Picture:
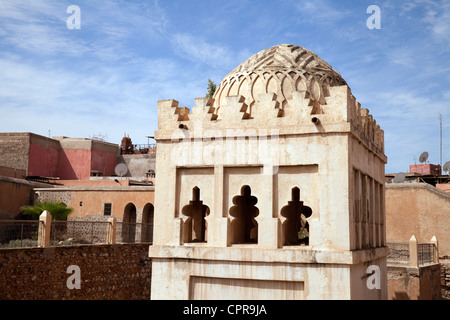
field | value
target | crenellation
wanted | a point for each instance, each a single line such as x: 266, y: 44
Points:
x: 268, y: 106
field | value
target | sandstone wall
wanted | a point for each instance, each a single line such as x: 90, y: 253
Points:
x: 418, y: 209
x: 107, y: 272
x: 414, y: 284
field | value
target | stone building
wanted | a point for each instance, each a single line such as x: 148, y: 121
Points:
x: 272, y: 189
x: 25, y: 154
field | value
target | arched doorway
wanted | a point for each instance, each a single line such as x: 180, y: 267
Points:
x: 147, y: 223
x: 129, y: 223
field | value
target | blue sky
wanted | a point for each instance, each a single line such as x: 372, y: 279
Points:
x: 106, y: 78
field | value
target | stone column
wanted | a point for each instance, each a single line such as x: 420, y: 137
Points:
x: 413, y: 253
x: 112, y: 230
x: 434, y: 241
x: 45, y: 221
x: 218, y: 224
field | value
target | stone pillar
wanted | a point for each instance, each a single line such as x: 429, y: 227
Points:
x: 436, y: 249
x: 45, y: 221
x: 268, y: 226
x: 217, y: 227
x: 112, y: 230
x: 413, y: 253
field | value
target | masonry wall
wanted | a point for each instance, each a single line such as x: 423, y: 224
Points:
x: 15, y: 193
x: 107, y: 272
x: 138, y: 164
x: 14, y: 152
x: 418, y: 209
x: 44, y: 156
x: 445, y: 278
x: 414, y: 284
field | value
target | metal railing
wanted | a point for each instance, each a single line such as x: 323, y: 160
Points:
x: 134, y: 232
x: 426, y: 253
x: 412, y: 253
x: 145, y: 148
x: 30, y: 233
x: 139, y: 149
x: 19, y: 233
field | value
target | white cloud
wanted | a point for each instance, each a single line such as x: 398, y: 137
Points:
x: 199, y: 50
x: 321, y: 11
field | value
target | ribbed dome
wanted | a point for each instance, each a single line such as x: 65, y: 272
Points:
x: 281, y: 69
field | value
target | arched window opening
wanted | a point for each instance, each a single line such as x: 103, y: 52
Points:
x: 129, y: 223
x: 296, y: 227
x: 195, y: 226
x: 147, y: 223
x: 244, y: 227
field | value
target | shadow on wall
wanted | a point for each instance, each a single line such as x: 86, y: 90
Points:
x: 65, y: 169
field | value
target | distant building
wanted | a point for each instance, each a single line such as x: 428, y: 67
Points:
x: 426, y: 169
x: 28, y: 155
x: 78, y: 172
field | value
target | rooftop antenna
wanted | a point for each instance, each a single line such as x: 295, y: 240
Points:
x: 399, y: 178
x: 440, y: 124
x: 121, y: 169
x: 446, y: 167
x: 423, y: 157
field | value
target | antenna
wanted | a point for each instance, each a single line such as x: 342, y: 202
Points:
x: 399, y: 178
x: 440, y: 123
x: 446, y: 167
x: 121, y: 169
x: 423, y: 157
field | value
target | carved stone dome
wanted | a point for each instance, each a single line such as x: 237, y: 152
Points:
x: 281, y: 69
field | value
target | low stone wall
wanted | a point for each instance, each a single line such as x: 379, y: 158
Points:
x: 445, y: 278
x: 106, y: 272
x: 421, y: 283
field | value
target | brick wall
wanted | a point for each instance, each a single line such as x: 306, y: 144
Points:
x: 107, y: 272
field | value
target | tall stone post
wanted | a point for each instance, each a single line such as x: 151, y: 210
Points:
x: 436, y: 249
x: 413, y: 253
x: 45, y: 221
x: 112, y: 230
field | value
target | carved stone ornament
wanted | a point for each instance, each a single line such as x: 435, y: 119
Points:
x: 281, y: 70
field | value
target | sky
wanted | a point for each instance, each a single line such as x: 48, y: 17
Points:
x: 104, y: 79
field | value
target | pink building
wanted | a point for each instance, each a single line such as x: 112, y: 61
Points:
x: 30, y: 155
x: 426, y: 169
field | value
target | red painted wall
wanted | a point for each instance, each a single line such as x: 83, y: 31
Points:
x: 43, y: 161
x: 74, y: 164
x: 71, y: 159
x: 104, y: 162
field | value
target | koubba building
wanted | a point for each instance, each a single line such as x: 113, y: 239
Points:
x: 272, y: 189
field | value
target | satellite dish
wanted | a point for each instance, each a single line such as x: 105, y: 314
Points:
x: 121, y: 169
x: 423, y: 157
x: 399, y: 178
x: 446, y: 167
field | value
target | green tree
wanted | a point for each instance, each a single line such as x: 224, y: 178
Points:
x: 211, y: 89
x: 58, y: 210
